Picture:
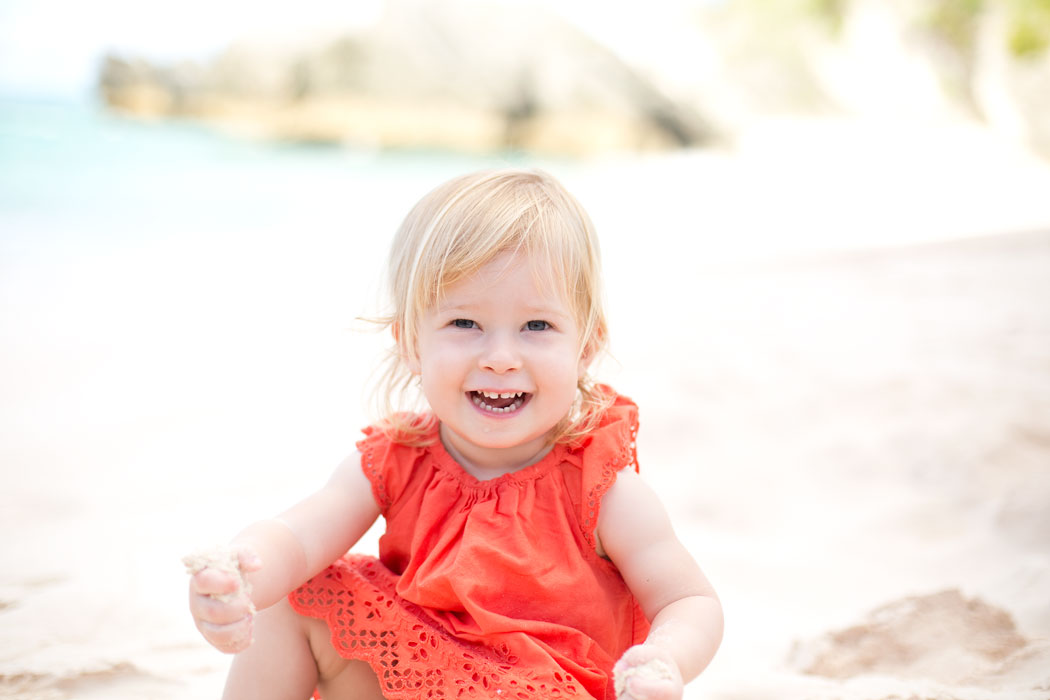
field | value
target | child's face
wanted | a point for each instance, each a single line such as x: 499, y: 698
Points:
x: 499, y: 360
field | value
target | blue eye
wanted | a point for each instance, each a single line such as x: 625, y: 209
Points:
x: 537, y: 325
x: 463, y: 323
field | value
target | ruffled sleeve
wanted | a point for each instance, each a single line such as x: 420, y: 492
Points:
x: 609, y: 448
x: 387, y: 463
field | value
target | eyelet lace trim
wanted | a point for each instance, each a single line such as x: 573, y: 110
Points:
x: 372, y: 471
x: 413, y: 658
x: 627, y: 456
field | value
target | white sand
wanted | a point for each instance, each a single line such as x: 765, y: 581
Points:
x: 845, y: 404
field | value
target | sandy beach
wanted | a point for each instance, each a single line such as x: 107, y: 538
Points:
x: 838, y: 334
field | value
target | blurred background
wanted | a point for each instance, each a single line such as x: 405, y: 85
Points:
x: 826, y: 235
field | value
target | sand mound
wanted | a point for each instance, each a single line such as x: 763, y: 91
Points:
x: 107, y: 680
x: 943, y: 637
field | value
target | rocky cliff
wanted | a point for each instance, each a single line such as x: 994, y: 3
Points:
x: 461, y: 75
x: 471, y: 75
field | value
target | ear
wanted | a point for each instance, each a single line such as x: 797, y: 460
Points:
x: 407, y: 356
x: 590, y: 351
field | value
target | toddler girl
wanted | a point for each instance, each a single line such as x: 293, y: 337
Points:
x: 523, y: 556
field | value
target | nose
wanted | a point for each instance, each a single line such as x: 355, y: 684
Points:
x: 500, y: 354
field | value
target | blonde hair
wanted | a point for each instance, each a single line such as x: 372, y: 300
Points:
x: 451, y: 233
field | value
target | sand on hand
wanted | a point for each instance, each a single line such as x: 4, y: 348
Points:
x: 225, y: 559
x: 653, y: 669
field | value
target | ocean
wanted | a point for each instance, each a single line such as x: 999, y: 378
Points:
x: 75, y: 178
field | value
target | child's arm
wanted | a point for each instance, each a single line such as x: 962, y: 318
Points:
x: 278, y: 555
x: 636, y: 534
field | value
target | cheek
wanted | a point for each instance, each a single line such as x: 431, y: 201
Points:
x: 439, y: 388
x: 565, y: 366
x: 441, y: 367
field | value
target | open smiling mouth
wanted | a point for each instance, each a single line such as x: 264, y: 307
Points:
x: 499, y: 402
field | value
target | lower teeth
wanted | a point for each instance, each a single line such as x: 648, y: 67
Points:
x: 493, y: 409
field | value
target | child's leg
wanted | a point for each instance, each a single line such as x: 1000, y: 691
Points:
x: 278, y: 664
x: 290, y: 657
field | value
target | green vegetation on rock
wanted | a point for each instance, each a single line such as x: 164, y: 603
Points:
x: 1029, y: 31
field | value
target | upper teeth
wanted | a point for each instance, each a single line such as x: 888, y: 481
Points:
x: 504, y: 395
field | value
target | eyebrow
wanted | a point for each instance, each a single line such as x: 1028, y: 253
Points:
x: 449, y: 308
x: 544, y: 311
x: 538, y: 309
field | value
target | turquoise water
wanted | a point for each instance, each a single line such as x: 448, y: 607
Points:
x: 75, y: 179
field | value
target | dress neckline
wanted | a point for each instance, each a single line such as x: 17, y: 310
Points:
x: 447, y: 463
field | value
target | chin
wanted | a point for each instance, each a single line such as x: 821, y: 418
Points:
x: 494, y: 438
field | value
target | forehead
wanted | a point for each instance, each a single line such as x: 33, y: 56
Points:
x: 508, y: 279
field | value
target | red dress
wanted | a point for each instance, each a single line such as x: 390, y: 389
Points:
x: 486, y: 589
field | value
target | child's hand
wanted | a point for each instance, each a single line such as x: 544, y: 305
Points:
x: 220, y: 598
x: 647, y: 672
